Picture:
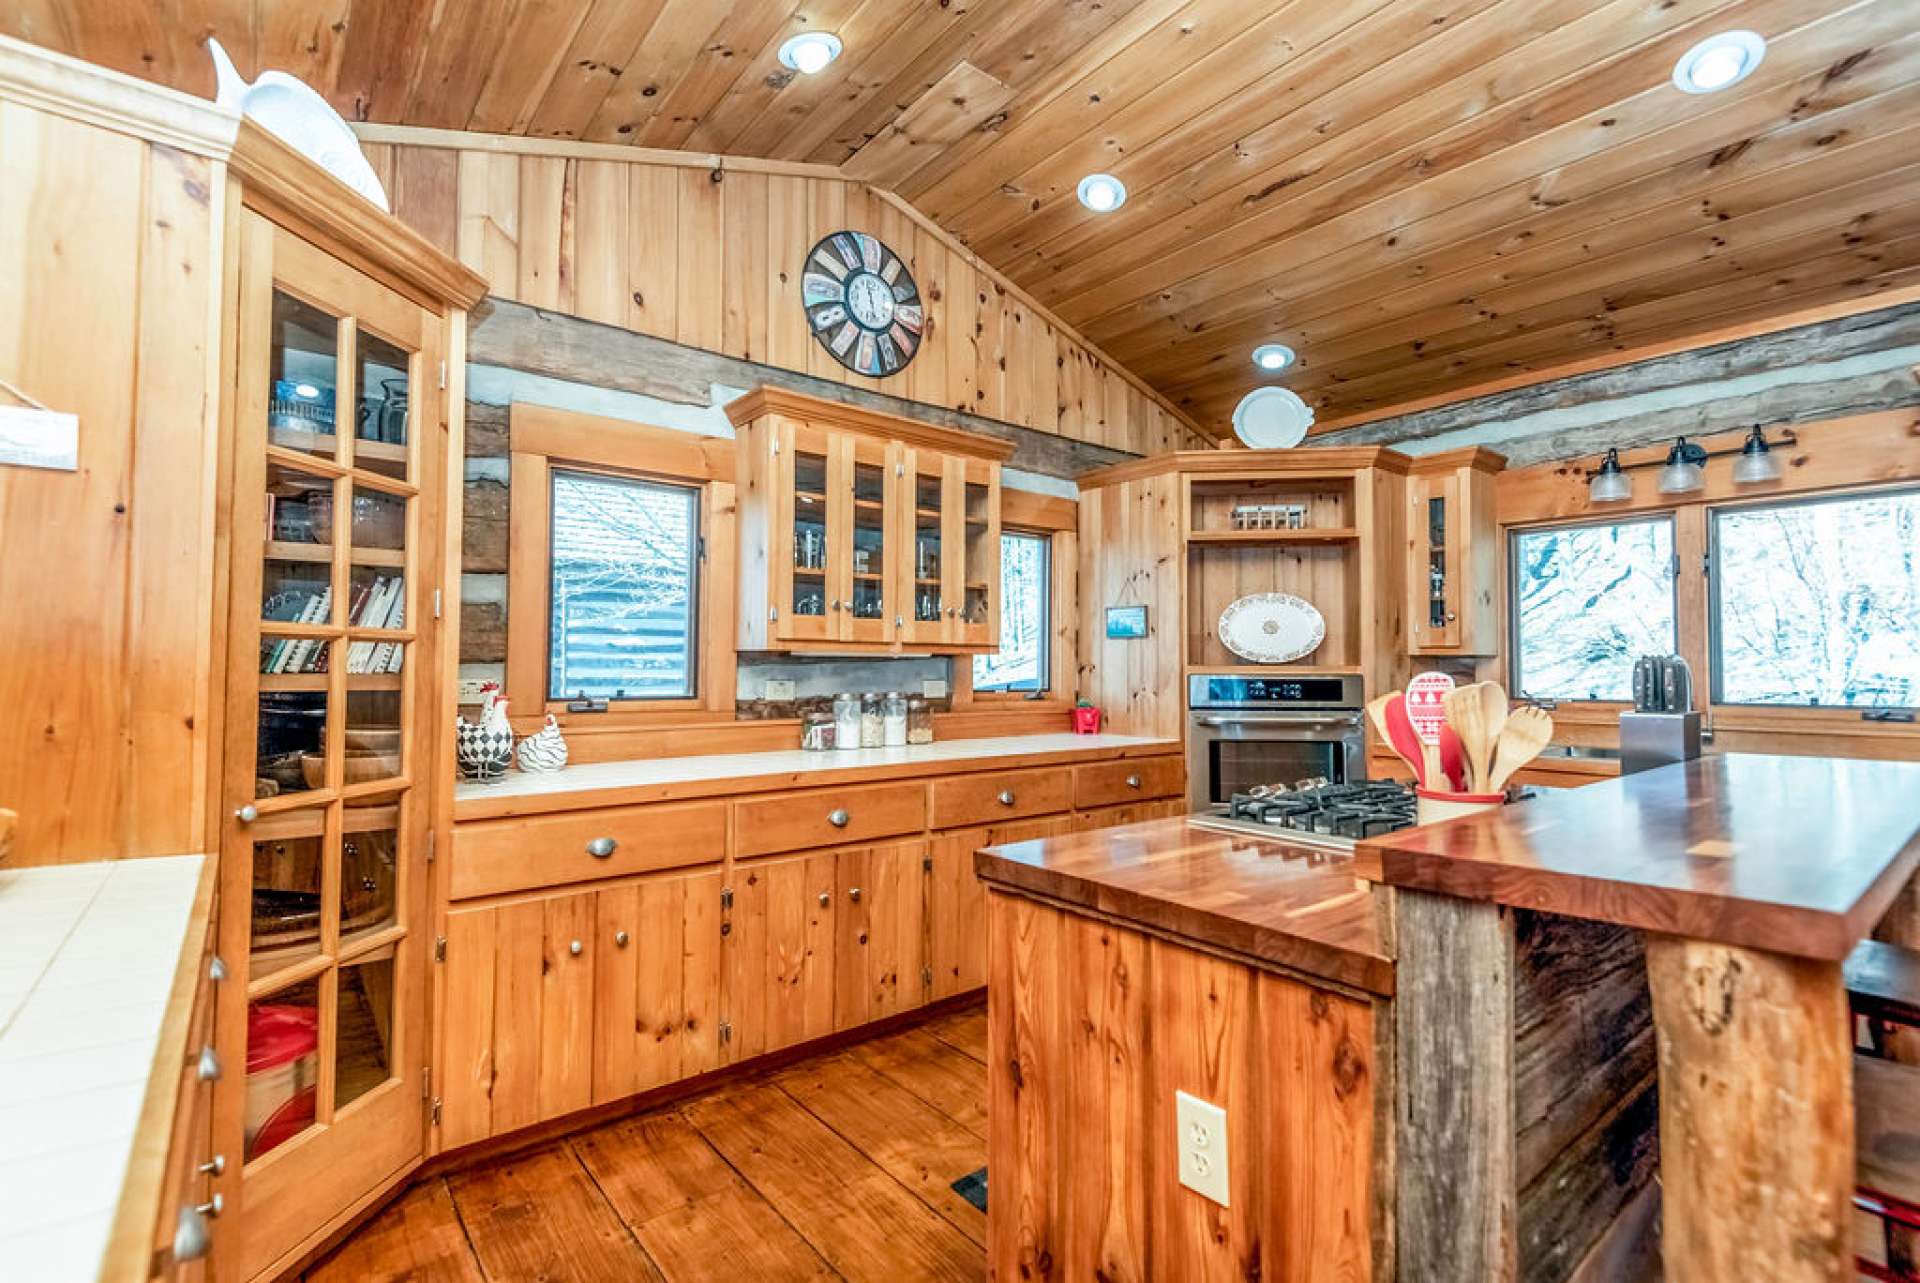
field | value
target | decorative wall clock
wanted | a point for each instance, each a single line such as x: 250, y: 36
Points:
x: 862, y: 303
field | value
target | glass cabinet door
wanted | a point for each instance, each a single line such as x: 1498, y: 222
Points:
x: 924, y: 504
x: 1437, y: 604
x: 978, y: 621
x: 872, y: 494
x: 809, y: 591
x: 323, y: 898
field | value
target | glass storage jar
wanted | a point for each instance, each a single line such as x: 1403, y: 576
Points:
x: 893, y: 714
x: 873, y: 733
x: 846, y: 721
x: 919, y: 721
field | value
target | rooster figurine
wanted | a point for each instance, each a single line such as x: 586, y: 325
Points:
x: 545, y: 749
x: 485, y: 749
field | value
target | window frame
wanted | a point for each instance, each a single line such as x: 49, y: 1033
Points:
x: 1045, y: 687
x: 695, y: 577
x: 543, y: 438
x: 1057, y: 517
x: 1515, y: 671
x: 1714, y: 686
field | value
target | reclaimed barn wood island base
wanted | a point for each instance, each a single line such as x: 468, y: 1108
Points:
x: 1463, y: 1052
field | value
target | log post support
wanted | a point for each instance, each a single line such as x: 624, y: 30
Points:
x: 1453, y: 1126
x: 1756, y: 1114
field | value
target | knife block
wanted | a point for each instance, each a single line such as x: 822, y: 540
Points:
x: 1648, y: 740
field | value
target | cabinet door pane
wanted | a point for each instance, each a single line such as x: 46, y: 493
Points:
x: 382, y: 427
x: 303, y: 377
x: 369, y: 867
x: 869, y: 541
x: 811, y: 556
x: 288, y: 873
x: 283, y: 1066
x: 929, y: 509
x: 982, y: 555
x: 363, y: 1027
x: 376, y: 710
x: 290, y: 754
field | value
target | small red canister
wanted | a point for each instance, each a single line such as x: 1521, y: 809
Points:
x: 1086, y: 719
x: 283, y: 1068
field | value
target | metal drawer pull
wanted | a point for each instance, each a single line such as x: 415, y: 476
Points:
x: 214, y: 1166
x: 620, y: 938
x: 853, y: 893
x: 209, y: 1066
x: 1006, y: 797
x: 838, y: 817
x: 602, y: 848
x: 247, y: 814
x: 825, y: 899
x: 575, y: 947
x: 1133, y: 781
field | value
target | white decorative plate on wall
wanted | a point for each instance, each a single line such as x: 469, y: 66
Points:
x: 1272, y: 418
x: 1271, y: 628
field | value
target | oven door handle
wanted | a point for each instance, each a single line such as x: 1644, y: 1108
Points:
x: 1278, y: 723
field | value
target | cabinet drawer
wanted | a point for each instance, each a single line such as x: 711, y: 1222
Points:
x: 992, y: 796
x: 553, y: 850
x: 827, y: 817
x: 1129, y: 780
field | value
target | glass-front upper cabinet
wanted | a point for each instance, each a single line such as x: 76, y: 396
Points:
x: 1453, y: 562
x: 923, y: 576
x: 977, y: 622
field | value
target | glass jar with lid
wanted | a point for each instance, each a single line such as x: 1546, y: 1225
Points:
x: 846, y: 721
x: 873, y: 733
x: 919, y: 721
x: 816, y: 730
x: 893, y: 716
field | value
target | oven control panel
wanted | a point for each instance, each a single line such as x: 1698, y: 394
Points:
x: 1278, y: 691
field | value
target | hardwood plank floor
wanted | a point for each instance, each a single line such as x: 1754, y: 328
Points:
x: 837, y: 1167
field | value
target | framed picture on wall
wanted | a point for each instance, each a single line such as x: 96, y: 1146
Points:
x: 1126, y: 622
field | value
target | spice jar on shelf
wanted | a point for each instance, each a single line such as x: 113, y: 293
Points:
x: 919, y: 721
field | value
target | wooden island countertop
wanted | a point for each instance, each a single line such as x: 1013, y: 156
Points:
x: 1263, y: 901
x: 1795, y: 855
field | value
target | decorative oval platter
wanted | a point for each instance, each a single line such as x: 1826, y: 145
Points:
x: 1271, y: 628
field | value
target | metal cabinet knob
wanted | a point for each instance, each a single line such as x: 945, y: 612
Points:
x: 620, y: 938
x: 825, y: 899
x: 602, y: 848
x: 1006, y: 797
x: 838, y: 817
x: 192, y: 1236
x: 247, y: 814
x: 1451, y: 616
x: 1133, y: 781
x: 853, y: 893
x: 208, y: 1066
x: 214, y: 1166
x: 574, y: 948
x: 216, y: 969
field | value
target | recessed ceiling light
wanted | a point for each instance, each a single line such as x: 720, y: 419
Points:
x: 1273, y: 356
x: 810, y: 51
x: 1102, y: 193
x: 1719, y: 62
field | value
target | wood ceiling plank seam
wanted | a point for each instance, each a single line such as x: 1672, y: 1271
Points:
x: 457, y: 56
x: 1510, y: 247
x: 1635, y: 247
x: 127, y: 36
x: 1630, y: 328
x: 660, y: 61
x: 1234, y: 255
x: 1577, y: 113
x: 866, y: 34
x: 1013, y: 42
x: 594, y: 61
x: 1217, y: 79
x: 306, y: 39
x: 519, y: 78
x: 1153, y: 66
x: 1062, y: 78
x: 1850, y: 222
x: 1458, y: 242
x: 959, y: 103
x: 752, y: 26
x: 764, y: 76
x: 381, y: 58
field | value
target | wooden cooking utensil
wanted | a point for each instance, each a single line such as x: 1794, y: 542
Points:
x: 1477, y: 713
x: 1405, y: 740
x: 1526, y: 732
x: 1377, y: 714
x: 1453, y: 760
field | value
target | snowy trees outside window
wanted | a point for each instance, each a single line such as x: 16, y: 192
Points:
x: 1589, y: 600
x: 1021, y: 662
x: 1818, y: 602
x: 624, y: 562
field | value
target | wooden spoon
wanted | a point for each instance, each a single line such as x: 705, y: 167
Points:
x: 1477, y: 713
x: 1526, y: 732
x: 1377, y: 714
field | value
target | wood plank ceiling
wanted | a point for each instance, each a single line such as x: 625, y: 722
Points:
x: 1417, y: 197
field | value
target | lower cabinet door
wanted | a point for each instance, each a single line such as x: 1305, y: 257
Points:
x: 779, y: 953
x: 879, y: 956
x: 957, y: 902
x: 518, y: 1037
x: 656, y: 993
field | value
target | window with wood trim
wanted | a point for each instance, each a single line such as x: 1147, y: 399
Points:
x: 1816, y: 602
x: 1023, y: 661
x: 1587, y: 600
x: 624, y: 588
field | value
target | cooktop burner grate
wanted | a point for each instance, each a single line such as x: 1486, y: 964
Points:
x: 1343, y: 813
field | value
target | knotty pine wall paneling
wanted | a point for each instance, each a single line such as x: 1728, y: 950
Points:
x: 709, y: 255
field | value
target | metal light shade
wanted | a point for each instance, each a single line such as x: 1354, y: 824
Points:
x: 1756, y: 462
x: 1610, y: 484
x: 1683, y: 472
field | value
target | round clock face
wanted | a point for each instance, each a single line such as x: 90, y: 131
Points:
x: 862, y: 303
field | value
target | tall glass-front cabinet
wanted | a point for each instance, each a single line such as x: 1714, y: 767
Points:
x: 334, y: 759
x: 862, y: 531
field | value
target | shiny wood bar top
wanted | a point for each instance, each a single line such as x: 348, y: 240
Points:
x: 1266, y: 902
x: 1797, y: 855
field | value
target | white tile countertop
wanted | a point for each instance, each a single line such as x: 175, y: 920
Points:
x: 88, y: 956
x: 650, y: 778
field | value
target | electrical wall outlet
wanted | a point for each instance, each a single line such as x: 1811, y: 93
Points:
x: 1203, y: 1146
x: 778, y: 690
x: 934, y: 688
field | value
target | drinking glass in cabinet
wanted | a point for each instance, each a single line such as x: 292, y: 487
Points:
x: 381, y: 433
x: 363, y: 1026
x: 303, y: 373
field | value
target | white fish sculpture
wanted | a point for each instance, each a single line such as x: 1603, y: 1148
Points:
x: 291, y: 110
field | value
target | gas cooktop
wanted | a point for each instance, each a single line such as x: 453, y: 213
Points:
x: 1316, y: 813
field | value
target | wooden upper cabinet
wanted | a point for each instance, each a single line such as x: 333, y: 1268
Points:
x: 864, y: 531
x: 1454, y: 555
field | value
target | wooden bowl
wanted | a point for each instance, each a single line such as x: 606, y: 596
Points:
x: 373, y: 739
x: 362, y: 765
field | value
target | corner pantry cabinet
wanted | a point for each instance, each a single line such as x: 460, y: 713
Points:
x: 341, y: 329
x: 862, y: 531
